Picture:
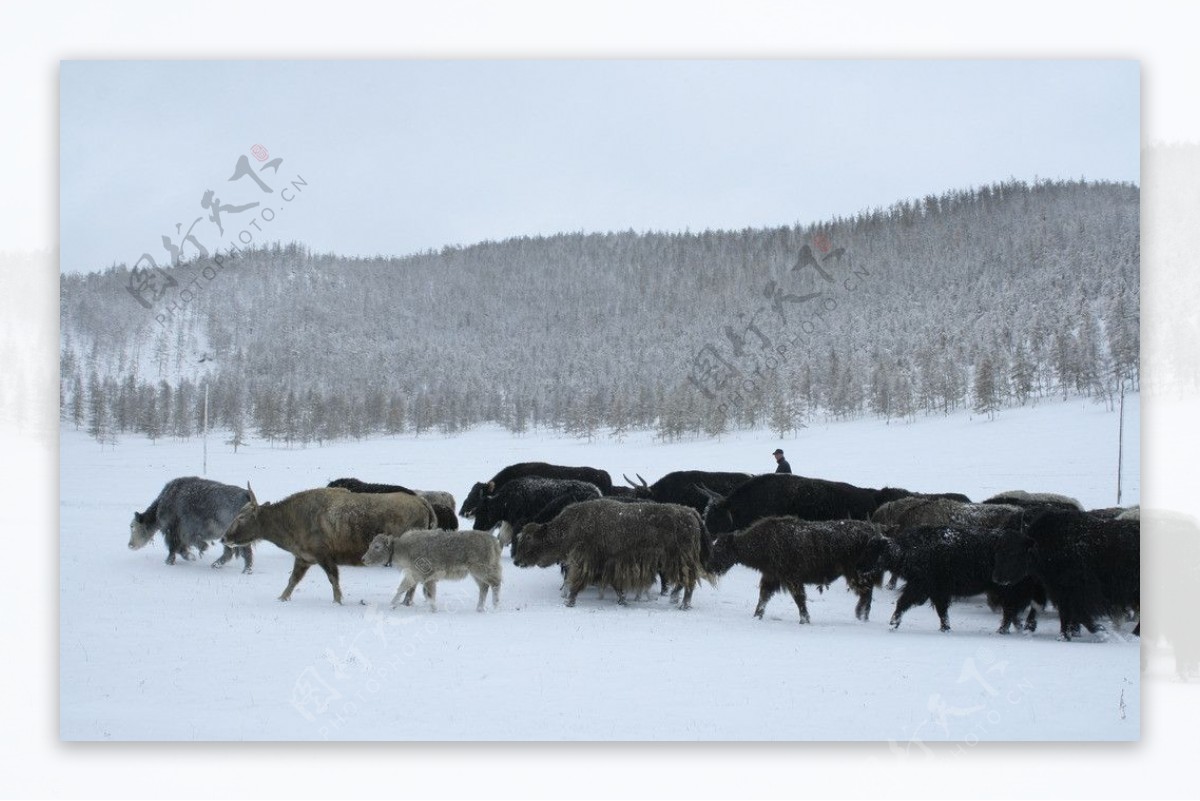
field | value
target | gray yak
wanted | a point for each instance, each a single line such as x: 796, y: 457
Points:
x: 191, y: 511
x: 326, y: 527
x: 426, y: 557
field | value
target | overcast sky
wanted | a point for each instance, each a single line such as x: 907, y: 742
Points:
x: 403, y: 156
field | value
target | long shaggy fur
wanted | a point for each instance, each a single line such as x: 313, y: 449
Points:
x: 192, y: 511
x: 1090, y: 566
x: 622, y: 545
x: 791, y: 553
x: 941, y: 563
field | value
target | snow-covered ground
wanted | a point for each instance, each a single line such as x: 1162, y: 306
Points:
x: 151, y: 652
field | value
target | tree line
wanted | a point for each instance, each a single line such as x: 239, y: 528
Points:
x: 981, y: 299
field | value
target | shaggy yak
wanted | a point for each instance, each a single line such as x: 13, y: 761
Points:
x: 326, y: 527
x: 925, y: 511
x: 940, y: 563
x: 1090, y: 566
x: 426, y: 557
x: 600, y: 478
x: 192, y: 511
x: 790, y: 553
x: 622, y: 545
x: 442, y: 502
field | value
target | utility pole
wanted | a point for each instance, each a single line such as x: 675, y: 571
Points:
x: 1120, y: 441
x: 205, y: 471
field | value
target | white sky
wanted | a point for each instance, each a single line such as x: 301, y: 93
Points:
x: 401, y: 156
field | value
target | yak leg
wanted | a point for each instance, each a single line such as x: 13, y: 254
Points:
x: 331, y: 570
x: 665, y: 586
x: 247, y: 554
x: 766, y: 588
x: 687, y: 595
x: 863, y: 610
x: 404, y: 593
x: 801, y: 599
x: 576, y: 581
x: 496, y: 594
x: 226, y: 555
x: 942, y: 605
x: 430, y: 590
x: 298, y: 571
x: 483, y: 588
x: 910, y: 596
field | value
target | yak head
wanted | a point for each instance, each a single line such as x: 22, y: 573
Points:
x: 641, y: 490
x: 717, y: 517
x: 1015, y: 556
x: 878, y: 555
x: 380, y: 551
x: 723, y: 555
x: 484, y: 510
x: 141, y: 531
x: 471, y: 502
x: 889, y: 494
x: 244, y: 529
x: 532, y: 546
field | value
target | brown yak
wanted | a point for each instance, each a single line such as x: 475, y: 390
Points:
x: 326, y: 527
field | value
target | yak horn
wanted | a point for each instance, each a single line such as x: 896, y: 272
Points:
x: 644, y: 484
x: 712, y: 496
x: 253, y: 499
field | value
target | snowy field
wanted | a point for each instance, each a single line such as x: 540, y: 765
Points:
x: 151, y: 652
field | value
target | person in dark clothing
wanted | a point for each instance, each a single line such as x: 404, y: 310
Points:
x: 783, y: 467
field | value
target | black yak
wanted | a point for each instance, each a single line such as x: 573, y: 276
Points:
x: 790, y: 553
x: 683, y: 487
x: 777, y: 494
x: 1090, y: 566
x: 600, y: 478
x: 941, y: 563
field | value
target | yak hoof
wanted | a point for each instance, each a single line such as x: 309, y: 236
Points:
x: 1002, y: 630
x: 284, y: 598
x: 804, y: 620
x: 684, y: 607
x: 570, y: 602
x: 246, y: 570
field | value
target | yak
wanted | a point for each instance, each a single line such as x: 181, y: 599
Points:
x: 622, y: 545
x: 776, y: 494
x: 192, y: 511
x: 600, y: 478
x: 683, y: 487
x: 1089, y: 565
x: 327, y: 527
x: 790, y: 553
